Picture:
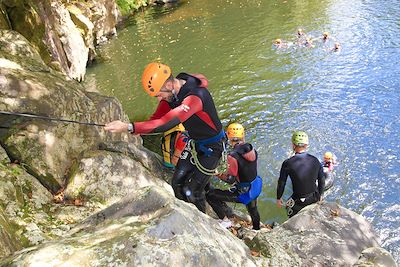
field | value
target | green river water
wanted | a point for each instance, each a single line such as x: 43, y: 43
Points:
x: 347, y: 100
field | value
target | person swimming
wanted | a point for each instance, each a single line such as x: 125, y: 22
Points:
x: 337, y: 47
x: 309, y: 43
x: 325, y: 36
x: 278, y: 43
x: 300, y: 33
x: 328, y: 163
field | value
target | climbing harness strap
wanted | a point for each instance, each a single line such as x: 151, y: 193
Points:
x: 203, y: 142
x: 207, y: 151
x: 301, y: 200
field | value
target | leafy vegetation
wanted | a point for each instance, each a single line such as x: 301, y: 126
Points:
x: 127, y: 6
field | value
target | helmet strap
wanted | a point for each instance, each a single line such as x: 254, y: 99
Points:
x: 175, y: 94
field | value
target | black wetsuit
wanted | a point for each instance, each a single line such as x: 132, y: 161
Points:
x: 304, y: 170
x: 194, y: 108
x: 244, y: 158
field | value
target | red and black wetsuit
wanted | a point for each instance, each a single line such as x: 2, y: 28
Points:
x: 194, y: 107
x: 304, y: 170
x: 243, y: 166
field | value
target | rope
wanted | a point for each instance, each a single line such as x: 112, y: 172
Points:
x: 196, y: 161
x: 27, y: 115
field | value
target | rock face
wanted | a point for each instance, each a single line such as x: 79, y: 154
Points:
x: 64, y: 32
x: 24, y: 203
x: 107, y: 177
x: 149, y: 228
x: 375, y: 256
x: 322, y: 234
x: 48, y: 148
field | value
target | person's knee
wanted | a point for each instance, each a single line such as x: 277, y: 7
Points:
x: 194, y: 194
x: 177, y: 183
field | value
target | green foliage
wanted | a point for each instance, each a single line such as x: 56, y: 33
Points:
x: 127, y: 6
x: 10, y: 169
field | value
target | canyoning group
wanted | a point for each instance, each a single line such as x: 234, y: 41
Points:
x: 197, y: 147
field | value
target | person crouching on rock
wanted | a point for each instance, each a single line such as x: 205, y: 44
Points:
x: 304, y: 171
x: 242, y: 172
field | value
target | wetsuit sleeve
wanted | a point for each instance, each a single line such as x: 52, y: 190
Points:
x: 188, y: 108
x: 161, y: 110
x: 284, y: 173
x: 321, y: 181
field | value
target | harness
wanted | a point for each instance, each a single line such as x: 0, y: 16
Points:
x: 249, y: 190
x: 207, y: 151
x: 297, y: 201
x: 171, y: 140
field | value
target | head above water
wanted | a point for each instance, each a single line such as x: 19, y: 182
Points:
x: 235, y: 133
x: 325, y: 35
x: 300, y: 32
x: 328, y: 156
x: 154, y: 76
x: 300, y: 139
x: 277, y: 41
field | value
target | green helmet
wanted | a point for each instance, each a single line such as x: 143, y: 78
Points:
x: 300, y: 138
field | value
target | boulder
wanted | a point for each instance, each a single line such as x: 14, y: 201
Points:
x: 64, y: 32
x: 375, y: 257
x: 24, y: 206
x: 107, y: 177
x: 48, y: 148
x: 323, y: 234
x: 148, y: 228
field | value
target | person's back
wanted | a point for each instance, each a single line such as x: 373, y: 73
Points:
x: 205, y: 123
x: 303, y: 170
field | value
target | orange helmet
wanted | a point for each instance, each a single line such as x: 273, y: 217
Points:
x: 154, y: 76
x: 235, y: 131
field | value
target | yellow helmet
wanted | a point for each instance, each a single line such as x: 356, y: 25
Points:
x: 154, y: 76
x: 235, y: 131
x: 328, y: 156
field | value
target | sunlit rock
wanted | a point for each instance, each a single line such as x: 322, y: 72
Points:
x: 48, y: 148
x: 323, y: 234
x: 62, y: 31
x: 107, y: 177
x: 375, y: 256
x: 148, y: 228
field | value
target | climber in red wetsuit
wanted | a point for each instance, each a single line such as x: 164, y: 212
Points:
x: 191, y: 104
